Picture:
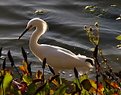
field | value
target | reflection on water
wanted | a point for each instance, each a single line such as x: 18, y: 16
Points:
x: 65, y: 19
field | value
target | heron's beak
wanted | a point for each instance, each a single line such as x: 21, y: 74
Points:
x: 24, y: 32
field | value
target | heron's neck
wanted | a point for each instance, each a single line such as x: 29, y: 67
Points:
x: 33, y: 42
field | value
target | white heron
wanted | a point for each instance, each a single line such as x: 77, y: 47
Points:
x: 57, y: 57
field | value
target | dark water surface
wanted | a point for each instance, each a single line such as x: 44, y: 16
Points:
x: 66, y: 19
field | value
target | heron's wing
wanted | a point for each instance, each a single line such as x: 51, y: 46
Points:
x: 56, y: 55
x: 63, y: 50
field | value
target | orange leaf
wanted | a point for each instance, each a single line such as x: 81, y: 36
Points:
x: 94, y: 87
x: 23, y: 67
x: 100, y: 87
x: 115, y: 94
x: 115, y: 85
x: 55, y: 82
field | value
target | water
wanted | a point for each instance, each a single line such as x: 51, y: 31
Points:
x: 66, y: 19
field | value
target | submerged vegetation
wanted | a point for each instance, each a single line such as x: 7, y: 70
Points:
x: 21, y: 81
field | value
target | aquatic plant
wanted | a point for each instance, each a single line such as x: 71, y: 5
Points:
x: 21, y: 81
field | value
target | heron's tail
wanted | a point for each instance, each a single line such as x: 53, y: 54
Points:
x: 87, y: 60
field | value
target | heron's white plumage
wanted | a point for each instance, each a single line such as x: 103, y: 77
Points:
x: 57, y: 57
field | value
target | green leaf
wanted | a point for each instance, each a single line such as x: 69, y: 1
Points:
x: 77, y: 89
x: 14, y: 91
x: 85, y: 92
x: 80, y: 79
x: 118, y: 37
x: 27, y: 79
x: 83, y: 77
x: 61, y: 90
x: 7, y: 80
x: 47, y: 88
x: 31, y: 89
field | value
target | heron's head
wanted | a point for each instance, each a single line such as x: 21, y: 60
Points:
x: 33, y: 23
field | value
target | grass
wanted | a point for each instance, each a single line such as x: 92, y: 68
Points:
x: 21, y: 81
